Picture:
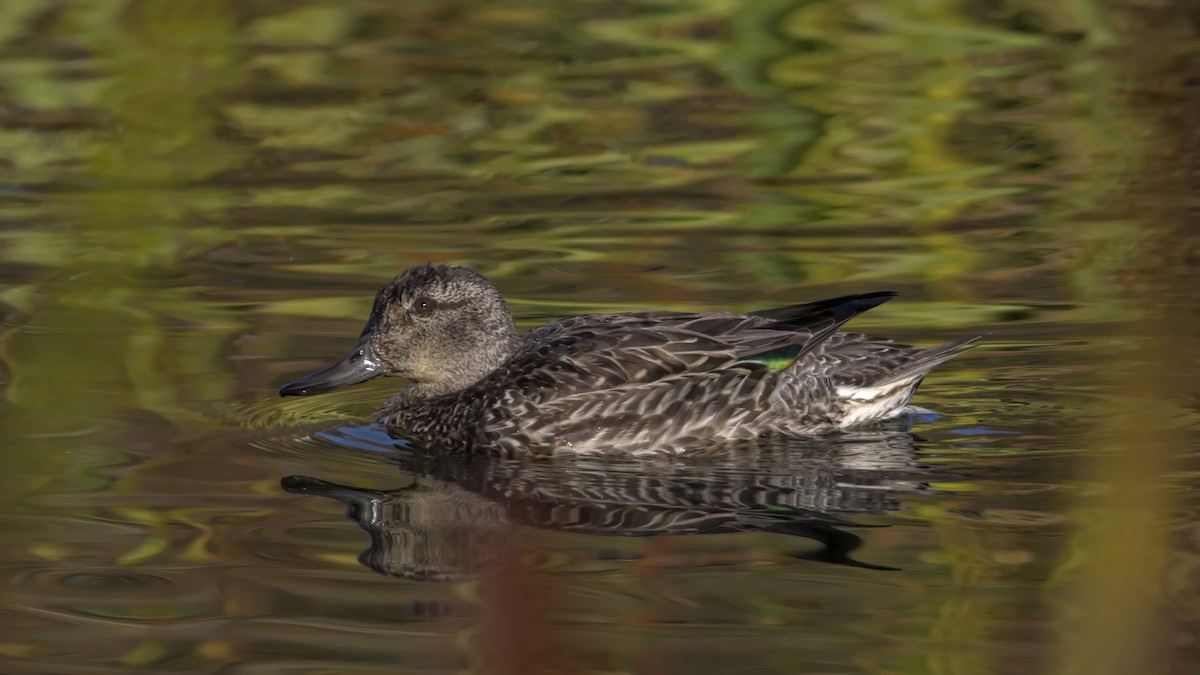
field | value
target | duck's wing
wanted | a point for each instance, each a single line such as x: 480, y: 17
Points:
x: 854, y: 359
x: 817, y: 321
x: 590, y: 353
x: 806, y: 325
x: 857, y: 360
x: 597, y: 352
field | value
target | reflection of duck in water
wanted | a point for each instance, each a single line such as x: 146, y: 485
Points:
x: 463, y: 507
x: 641, y: 383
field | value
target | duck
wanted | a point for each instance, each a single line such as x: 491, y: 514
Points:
x: 639, y: 383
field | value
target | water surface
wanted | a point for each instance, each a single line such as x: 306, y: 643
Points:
x: 201, y: 197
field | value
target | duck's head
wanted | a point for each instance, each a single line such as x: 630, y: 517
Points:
x: 442, y: 327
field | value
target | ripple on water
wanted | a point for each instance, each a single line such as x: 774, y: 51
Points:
x: 106, y: 593
x: 45, y: 533
x: 275, y: 412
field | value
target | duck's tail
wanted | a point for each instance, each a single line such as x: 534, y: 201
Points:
x: 887, y: 395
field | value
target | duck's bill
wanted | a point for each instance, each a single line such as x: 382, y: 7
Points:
x: 358, y: 366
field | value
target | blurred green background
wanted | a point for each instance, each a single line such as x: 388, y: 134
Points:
x: 200, y: 197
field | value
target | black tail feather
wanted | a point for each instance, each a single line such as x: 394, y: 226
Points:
x: 820, y: 319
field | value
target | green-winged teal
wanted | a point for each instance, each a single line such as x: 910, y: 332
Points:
x: 646, y: 382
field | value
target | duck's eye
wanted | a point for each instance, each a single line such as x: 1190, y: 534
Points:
x: 423, y: 306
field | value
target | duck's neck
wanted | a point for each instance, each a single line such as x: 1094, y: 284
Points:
x: 484, y: 358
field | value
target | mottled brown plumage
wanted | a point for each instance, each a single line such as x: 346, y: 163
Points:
x: 646, y: 382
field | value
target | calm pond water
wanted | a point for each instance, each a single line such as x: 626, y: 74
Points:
x: 200, y: 198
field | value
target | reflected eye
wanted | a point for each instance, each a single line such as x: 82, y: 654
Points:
x: 423, y: 305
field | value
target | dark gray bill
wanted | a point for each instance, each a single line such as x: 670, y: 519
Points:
x: 359, y: 365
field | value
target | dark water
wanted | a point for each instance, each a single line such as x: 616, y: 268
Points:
x: 200, y: 198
